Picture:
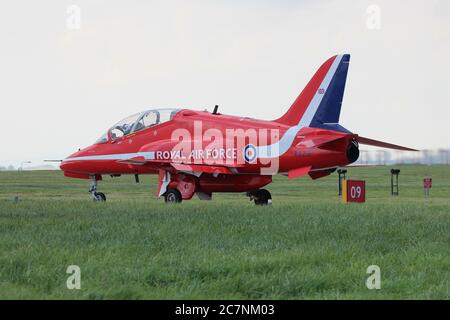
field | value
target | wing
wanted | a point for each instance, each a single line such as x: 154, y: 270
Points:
x: 202, y: 168
x: 184, y: 167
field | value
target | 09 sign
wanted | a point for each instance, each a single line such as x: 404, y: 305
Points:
x: 354, y: 191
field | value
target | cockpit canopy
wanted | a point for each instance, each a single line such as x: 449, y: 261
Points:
x: 138, y: 122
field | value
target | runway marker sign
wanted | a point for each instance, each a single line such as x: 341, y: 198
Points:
x: 353, y: 191
x: 427, y: 184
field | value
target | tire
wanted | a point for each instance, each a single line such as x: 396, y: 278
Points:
x: 263, y: 197
x: 100, y: 197
x: 172, y: 196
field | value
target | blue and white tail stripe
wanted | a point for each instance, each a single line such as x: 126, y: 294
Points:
x: 317, y: 106
x: 329, y: 109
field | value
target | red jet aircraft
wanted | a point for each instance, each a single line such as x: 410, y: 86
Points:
x: 197, y: 152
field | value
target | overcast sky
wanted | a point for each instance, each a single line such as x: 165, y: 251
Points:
x: 63, y: 86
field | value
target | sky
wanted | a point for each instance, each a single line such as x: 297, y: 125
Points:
x: 69, y: 70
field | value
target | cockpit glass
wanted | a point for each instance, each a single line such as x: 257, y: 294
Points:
x: 138, y: 122
x: 124, y: 127
x: 147, y: 119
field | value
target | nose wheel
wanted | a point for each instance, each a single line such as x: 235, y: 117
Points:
x: 96, y: 196
x: 100, y: 197
x: 261, y: 197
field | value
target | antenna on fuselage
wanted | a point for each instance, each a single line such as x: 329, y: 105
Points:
x: 216, y: 107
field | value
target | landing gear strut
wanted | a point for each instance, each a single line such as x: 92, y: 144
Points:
x: 261, y: 197
x: 96, y: 196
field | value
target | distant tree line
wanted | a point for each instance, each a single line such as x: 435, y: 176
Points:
x: 383, y: 157
x: 8, y: 168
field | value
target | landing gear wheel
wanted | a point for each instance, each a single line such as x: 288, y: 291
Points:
x: 172, y: 196
x: 262, y: 197
x: 96, y: 196
x: 100, y: 197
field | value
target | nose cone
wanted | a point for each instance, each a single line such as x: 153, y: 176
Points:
x: 67, y: 164
x: 63, y: 166
x: 71, y: 163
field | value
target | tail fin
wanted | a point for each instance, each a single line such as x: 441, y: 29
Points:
x: 319, y: 104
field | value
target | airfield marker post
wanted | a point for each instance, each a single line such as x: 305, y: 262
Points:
x: 394, y: 181
x: 341, y: 177
x: 427, y: 184
x: 344, y: 191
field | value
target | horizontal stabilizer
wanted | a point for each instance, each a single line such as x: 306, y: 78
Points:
x: 376, y: 143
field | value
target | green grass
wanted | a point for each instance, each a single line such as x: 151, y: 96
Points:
x: 307, y: 245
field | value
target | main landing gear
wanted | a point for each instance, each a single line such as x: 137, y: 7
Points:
x: 172, y: 196
x: 261, y: 197
x: 96, y: 196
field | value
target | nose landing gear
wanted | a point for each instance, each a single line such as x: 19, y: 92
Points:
x: 261, y: 197
x: 96, y: 196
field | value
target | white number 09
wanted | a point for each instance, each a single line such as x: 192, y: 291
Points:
x: 355, y: 192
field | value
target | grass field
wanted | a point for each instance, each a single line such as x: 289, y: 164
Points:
x: 306, y: 245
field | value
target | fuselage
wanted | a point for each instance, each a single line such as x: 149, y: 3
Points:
x: 214, y: 139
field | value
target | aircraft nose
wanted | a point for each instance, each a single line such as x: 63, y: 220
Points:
x: 69, y: 165
x: 64, y: 166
